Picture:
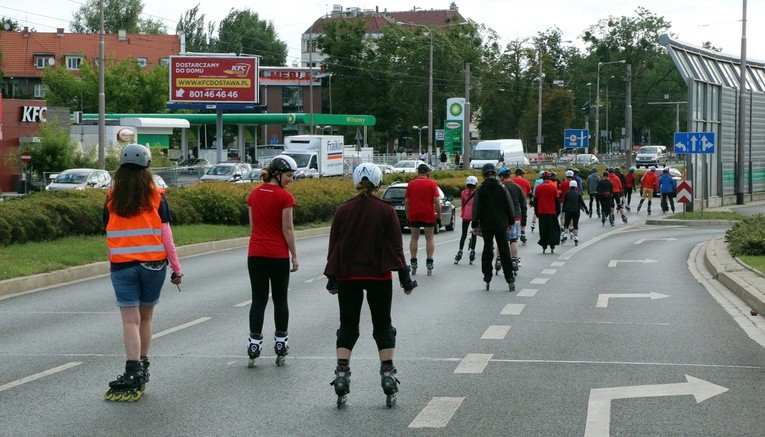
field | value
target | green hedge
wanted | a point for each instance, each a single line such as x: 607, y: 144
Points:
x: 747, y: 237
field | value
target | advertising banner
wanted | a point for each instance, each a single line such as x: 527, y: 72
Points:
x: 214, y: 79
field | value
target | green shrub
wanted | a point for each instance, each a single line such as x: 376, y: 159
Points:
x: 747, y: 237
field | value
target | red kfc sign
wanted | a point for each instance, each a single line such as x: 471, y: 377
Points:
x: 208, y: 79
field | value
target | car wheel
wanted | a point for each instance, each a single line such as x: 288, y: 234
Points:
x: 450, y: 226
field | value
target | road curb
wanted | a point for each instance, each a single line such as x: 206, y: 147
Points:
x: 79, y: 273
x: 739, y: 278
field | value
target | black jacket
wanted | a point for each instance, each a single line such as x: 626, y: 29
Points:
x: 518, y: 196
x: 573, y: 202
x: 492, y: 207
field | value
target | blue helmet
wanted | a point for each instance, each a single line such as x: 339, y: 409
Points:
x: 503, y: 171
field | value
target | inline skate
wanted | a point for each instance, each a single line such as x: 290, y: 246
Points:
x: 471, y: 258
x: 281, y: 346
x: 389, y: 384
x: 523, y: 238
x: 497, y: 266
x: 145, y: 366
x: 511, y: 286
x: 458, y: 257
x: 429, y: 266
x: 414, y: 266
x: 342, y: 384
x: 254, y: 347
x: 129, y: 386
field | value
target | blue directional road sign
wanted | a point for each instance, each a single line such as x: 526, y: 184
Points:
x: 576, y: 138
x: 694, y: 142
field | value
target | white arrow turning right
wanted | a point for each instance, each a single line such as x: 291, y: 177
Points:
x: 614, y: 262
x: 599, y: 406
x: 643, y: 240
x: 603, y: 298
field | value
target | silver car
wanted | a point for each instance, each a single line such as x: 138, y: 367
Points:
x: 226, y: 172
x: 394, y: 195
x: 80, y: 179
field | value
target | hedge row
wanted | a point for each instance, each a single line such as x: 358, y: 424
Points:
x: 747, y: 237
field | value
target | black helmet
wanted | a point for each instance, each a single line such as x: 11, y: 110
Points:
x: 423, y: 168
x: 594, y: 170
x: 489, y: 168
x: 519, y: 171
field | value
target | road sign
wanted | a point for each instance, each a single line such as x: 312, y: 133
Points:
x: 26, y: 157
x: 694, y: 142
x: 576, y: 138
x: 684, y: 192
x: 215, y: 79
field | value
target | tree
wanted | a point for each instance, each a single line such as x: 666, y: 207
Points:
x: 13, y: 25
x: 54, y: 152
x: 118, y: 15
x: 243, y: 32
x: 193, y: 27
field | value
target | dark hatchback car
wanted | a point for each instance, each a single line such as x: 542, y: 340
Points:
x: 394, y: 195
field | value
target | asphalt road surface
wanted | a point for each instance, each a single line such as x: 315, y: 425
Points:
x: 623, y: 335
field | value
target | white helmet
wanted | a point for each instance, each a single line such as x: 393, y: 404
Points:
x: 569, y: 173
x: 283, y: 163
x: 471, y: 180
x: 135, y: 154
x: 571, y: 185
x: 367, y: 171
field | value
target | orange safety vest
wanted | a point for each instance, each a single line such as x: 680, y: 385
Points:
x: 137, y: 238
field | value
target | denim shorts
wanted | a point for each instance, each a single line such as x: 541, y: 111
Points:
x: 514, y: 231
x: 138, y: 285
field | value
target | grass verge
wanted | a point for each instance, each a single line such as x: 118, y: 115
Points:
x: 707, y: 215
x: 29, y: 259
x: 756, y: 262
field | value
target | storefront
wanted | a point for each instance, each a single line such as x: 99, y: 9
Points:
x: 19, y: 123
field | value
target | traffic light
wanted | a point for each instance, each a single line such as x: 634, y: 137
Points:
x: 586, y: 109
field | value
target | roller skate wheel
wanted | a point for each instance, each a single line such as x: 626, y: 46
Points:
x: 430, y: 272
x: 251, y: 363
x: 109, y: 395
x: 390, y: 400
x: 341, y: 400
x: 280, y: 360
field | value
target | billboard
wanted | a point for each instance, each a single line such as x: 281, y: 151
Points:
x: 214, y: 79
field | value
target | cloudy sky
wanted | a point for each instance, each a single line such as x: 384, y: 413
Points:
x: 716, y: 21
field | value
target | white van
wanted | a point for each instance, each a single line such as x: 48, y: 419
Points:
x: 508, y: 152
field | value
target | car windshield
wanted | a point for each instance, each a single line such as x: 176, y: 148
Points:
x: 404, y: 164
x: 252, y: 174
x: 221, y: 170
x: 394, y: 193
x: 649, y: 149
x: 486, y: 154
x: 71, y: 178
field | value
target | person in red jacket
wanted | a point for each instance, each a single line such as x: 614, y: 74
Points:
x: 617, y: 194
x: 423, y: 206
x: 140, y: 244
x: 466, y: 200
x: 630, y: 188
x: 547, y: 209
x: 526, y: 187
x: 649, y: 182
x: 365, y: 246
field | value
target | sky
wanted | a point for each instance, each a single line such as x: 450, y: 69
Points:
x: 693, y: 22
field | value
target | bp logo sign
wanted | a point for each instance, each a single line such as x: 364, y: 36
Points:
x: 455, y: 109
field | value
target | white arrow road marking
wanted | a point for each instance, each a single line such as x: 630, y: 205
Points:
x: 603, y: 298
x: 473, y: 363
x: 179, y: 327
x: 643, y: 240
x: 31, y: 378
x: 599, y: 407
x: 437, y: 413
x: 495, y: 332
x: 614, y: 262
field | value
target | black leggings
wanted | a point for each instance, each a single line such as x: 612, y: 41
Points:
x: 262, y: 271
x: 379, y: 298
x: 465, y: 230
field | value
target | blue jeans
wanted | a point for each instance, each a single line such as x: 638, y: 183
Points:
x: 137, y: 285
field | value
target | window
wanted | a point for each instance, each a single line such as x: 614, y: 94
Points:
x: 164, y: 61
x: 43, y: 61
x: 73, y: 62
x: 39, y: 91
x: 143, y: 62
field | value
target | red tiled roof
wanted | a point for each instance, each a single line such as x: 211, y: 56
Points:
x: 19, y: 50
x: 378, y: 20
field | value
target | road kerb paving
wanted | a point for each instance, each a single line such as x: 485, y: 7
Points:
x: 739, y: 278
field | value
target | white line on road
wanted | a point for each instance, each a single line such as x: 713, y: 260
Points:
x: 473, y: 363
x: 437, y: 413
x: 513, y: 309
x: 558, y: 264
x: 31, y: 378
x: 318, y: 278
x: 614, y: 262
x: 540, y: 281
x: 244, y: 304
x: 643, y: 240
x: 495, y: 332
x: 179, y: 327
x: 549, y: 271
x: 527, y: 292
x: 603, y: 298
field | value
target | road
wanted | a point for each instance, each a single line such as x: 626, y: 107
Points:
x: 622, y: 335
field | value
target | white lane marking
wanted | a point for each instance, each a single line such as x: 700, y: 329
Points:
x: 643, y: 240
x: 244, y: 304
x: 527, y: 292
x: 558, y: 264
x: 549, y: 271
x: 31, y: 378
x: 179, y: 327
x: 473, y: 363
x: 614, y: 262
x: 539, y: 281
x: 513, y: 309
x: 318, y: 278
x: 437, y: 413
x: 495, y: 332
x: 603, y: 298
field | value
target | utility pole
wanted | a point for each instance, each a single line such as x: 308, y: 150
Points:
x: 741, y: 111
x: 101, y: 93
x: 466, y: 126
x: 628, y: 120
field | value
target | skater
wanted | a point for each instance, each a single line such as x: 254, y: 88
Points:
x: 442, y: 158
x: 519, y: 206
x: 272, y: 247
x: 667, y: 189
x: 649, y: 182
x: 365, y: 246
x: 526, y: 187
x: 563, y: 190
x: 466, y: 198
x: 572, y: 204
x: 616, y: 195
x: 457, y: 163
x: 548, y: 209
x: 605, y: 191
x: 493, y: 213
x: 629, y: 186
x: 423, y: 206
x: 592, y: 185
x: 140, y: 245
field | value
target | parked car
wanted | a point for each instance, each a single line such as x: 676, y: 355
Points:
x: 386, y: 168
x: 226, y: 171
x: 394, y: 195
x: 194, y: 165
x: 159, y: 182
x: 674, y: 173
x: 586, y: 159
x: 651, y: 155
x: 79, y: 179
x: 250, y: 177
x: 407, y: 166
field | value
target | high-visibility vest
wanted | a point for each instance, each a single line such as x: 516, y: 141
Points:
x: 137, y: 238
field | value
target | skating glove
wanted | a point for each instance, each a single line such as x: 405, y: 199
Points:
x: 406, y: 280
x: 332, y: 284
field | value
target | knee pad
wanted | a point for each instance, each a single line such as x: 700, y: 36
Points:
x: 346, y: 337
x: 385, y: 338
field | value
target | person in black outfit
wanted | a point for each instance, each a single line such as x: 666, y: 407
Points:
x: 605, y: 190
x: 572, y: 204
x: 493, y: 213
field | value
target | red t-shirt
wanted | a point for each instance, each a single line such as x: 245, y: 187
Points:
x: 523, y: 183
x: 420, y: 193
x: 547, y: 198
x: 267, y: 202
x: 616, y: 182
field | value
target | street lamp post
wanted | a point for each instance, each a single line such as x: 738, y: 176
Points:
x: 597, y: 103
x: 419, y: 135
x: 589, y: 105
